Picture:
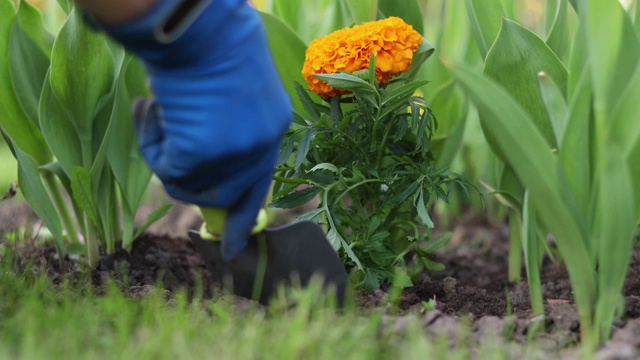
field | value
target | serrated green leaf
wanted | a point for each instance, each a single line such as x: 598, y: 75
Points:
x: 296, y: 198
x: 347, y: 82
x: 286, y: 150
x: 423, y: 213
x: 303, y: 147
x: 379, y: 236
x: 155, y: 215
x: 325, y: 166
x: 372, y: 279
x: 401, y: 279
x: 307, y: 103
x: 312, y: 215
x: 432, y: 265
x: 401, y: 196
x: 399, y: 96
x: 437, y: 242
x: 338, y: 242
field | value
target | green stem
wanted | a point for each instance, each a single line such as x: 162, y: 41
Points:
x: 114, y: 230
x: 346, y: 191
x: 382, y: 146
x: 127, y: 228
x: 515, y: 246
x: 53, y: 188
x: 91, y: 234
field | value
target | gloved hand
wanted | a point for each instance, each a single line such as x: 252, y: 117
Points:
x: 212, y: 135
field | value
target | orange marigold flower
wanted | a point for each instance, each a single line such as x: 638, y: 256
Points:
x: 391, y: 40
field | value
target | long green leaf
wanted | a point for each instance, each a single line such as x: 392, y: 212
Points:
x: 451, y: 110
x: 36, y: 194
x: 613, y: 46
x: 408, y: 10
x: 556, y: 26
x: 156, y: 215
x: 29, y: 51
x: 615, y: 225
x: 82, y: 192
x: 515, y: 60
x: 529, y: 154
x: 58, y: 130
x: 578, y: 134
x: 531, y: 250
x: 556, y: 105
x: 347, y: 82
x: 128, y: 166
x: 288, y: 54
x: 484, y: 17
x: 361, y: 10
x: 13, y: 121
x: 82, y: 71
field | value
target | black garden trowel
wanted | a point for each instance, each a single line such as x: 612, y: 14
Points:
x: 287, y: 255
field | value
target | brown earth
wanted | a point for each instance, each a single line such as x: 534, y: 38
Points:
x: 471, y: 291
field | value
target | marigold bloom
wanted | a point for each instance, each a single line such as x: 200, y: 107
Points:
x: 391, y: 40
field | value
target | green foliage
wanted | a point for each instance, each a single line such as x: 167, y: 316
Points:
x: 568, y: 129
x: 66, y: 112
x: 367, y: 157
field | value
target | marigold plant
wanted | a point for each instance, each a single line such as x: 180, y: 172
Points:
x: 391, y: 41
x: 365, y: 152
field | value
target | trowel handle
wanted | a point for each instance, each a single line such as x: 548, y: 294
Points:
x: 214, y: 219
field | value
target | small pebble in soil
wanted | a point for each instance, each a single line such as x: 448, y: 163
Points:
x: 449, y: 286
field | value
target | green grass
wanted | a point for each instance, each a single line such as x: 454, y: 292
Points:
x: 43, y: 321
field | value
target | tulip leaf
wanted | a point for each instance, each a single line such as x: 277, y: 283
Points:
x: 556, y: 105
x: 407, y: 10
x: 83, y: 194
x: 515, y: 60
x: 58, y: 130
x: 36, y: 194
x: 29, y: 51
x: 82, y: 72
x: 361, y: 10
x: 484, y: 17
x: 527, y: 151
x: 23, y: 133
x: 615, y: 226
x: 288, y: 54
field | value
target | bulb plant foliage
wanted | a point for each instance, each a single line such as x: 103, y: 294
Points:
x: 65, y: 111
x: 364, y: 151
x: 564, y: 120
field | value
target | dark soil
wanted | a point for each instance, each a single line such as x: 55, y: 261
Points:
x: 472, y: 289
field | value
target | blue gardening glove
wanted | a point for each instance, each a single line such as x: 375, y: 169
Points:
x: 213, y: 132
